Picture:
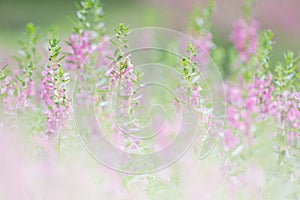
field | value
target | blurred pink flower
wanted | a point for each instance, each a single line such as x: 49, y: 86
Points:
x: 230, y: 140
x: 195, y: 97
x: 253, y: 180
x: 81, y: 47
x: 259, y: 96
x: 122, y: 72
x: 245, y: 38
x: 234, y: 95
x: 232, y: 116
x: 203, y: 46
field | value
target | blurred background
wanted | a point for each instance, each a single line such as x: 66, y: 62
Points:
x: 283, y: 17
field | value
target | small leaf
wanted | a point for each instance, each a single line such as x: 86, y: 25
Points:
x: 61, y: 58
x: 30, y: 28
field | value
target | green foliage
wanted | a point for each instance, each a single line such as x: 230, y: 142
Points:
x: 263, y: 53
x: 55, y: 50
x: 287, y: 75
x: 27, y: 58
x: 89, y: 16
x: 60, y: 77
x: 222, y: 59
x: 189, y: 67
x: 4, y: 73
x: 121, y: 32
x: 201, y: 18
x: 247, y: 8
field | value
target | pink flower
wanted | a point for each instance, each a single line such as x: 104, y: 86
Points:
x: 285, y: 110
x: 14, y: 95
x: 232, y: 116
x: 195, y: 94
x: 103, y: 51
x: 187, y: 98
x: 81, y: 47
x: 242, y: 112
x: 234, y: 96
x: 30, y: 88
x: 250, y: 104
x: 259, y: 96
x: 55, y: 97
x: 245, y: 38
x: 203, y: 46
x: 123, y: 71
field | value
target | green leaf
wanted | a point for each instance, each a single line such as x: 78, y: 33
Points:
x: 30, y: 28
x: 111, y: 58
x: 2, y: 78
x: 61, y: 58
x: 113, y: 42
x: 4, y: 95
x: 19, y: 78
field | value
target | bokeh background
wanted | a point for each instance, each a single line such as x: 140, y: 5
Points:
x: 283, y: 17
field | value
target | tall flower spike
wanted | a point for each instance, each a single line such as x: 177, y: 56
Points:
x: 89, y: 30
x: 245, y: 36
x: 122, y: 80
x: 88, y: 48
x: 54, y: 91
x: 190, y: 92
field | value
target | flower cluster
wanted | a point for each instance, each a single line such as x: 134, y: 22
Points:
x: 81, y: 47
x: 286, y: 111
x: 244, y: 111
x: 18, y: 85
x: 260, y: 93
x: 262, y: 96
x: 54, y: 91
x: 262, y: 101
x: 88, y: 35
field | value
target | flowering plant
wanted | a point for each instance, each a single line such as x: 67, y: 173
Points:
x: 137, y: 105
